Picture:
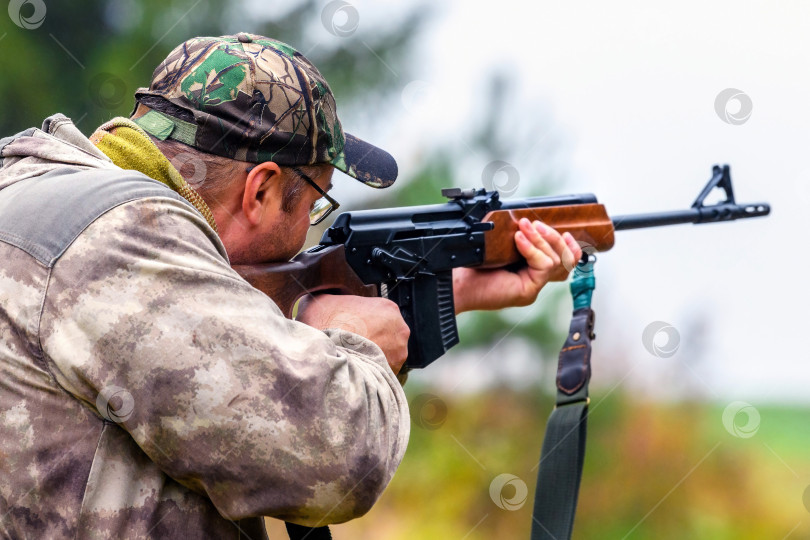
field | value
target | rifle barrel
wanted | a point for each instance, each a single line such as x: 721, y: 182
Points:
x: 696, y: 215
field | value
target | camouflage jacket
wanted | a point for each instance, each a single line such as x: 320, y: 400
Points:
x: 146, y: 390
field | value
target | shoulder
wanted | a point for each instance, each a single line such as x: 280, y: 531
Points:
x: 45, y: 215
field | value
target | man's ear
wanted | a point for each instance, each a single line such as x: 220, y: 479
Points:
x: 263, y: 191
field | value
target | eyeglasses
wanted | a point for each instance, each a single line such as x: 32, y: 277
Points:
x: 323, y: 206
x: 320, y: 208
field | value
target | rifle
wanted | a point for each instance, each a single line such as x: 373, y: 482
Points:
x: 408, y: 254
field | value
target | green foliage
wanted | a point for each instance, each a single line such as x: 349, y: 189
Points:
x: 89, y: 56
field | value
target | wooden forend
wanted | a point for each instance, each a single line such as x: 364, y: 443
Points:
x: 589, y: 224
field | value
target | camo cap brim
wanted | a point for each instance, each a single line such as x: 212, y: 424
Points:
x: 254, y: 99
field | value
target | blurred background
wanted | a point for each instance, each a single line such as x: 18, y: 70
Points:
x: 699, y: 424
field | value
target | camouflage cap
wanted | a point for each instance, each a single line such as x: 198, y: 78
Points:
x: 254, y: 99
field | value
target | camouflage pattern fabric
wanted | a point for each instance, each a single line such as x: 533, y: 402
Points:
x: 255, y: 99
x: 147, y: 391
x: 129, y: 147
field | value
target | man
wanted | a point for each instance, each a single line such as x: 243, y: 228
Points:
x: 146, y: 390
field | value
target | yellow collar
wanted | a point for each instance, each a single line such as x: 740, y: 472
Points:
x: 129, y: 147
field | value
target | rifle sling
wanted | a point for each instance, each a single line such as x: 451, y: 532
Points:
x: 560, y: 468
x: 301, y: 532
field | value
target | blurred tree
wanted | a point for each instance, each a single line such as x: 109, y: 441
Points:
x: 86, y: 58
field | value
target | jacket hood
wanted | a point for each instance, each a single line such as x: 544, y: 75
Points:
x: 58, y: 144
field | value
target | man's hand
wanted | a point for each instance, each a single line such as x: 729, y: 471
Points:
x: 377, y: 319
x: 550, y: 257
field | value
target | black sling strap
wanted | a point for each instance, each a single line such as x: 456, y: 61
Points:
x: 563, y: 453
x: 301, y: 532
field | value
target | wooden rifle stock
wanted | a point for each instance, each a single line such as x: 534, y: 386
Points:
x: 323, y: 271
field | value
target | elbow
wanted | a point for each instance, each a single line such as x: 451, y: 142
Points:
x: 367, y: 448
x: 331, y: 463
x: 329, y: 480
x: 361, y: 468
x: 374, y: 472
x: 352, y: 492
x: 335, y: 494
